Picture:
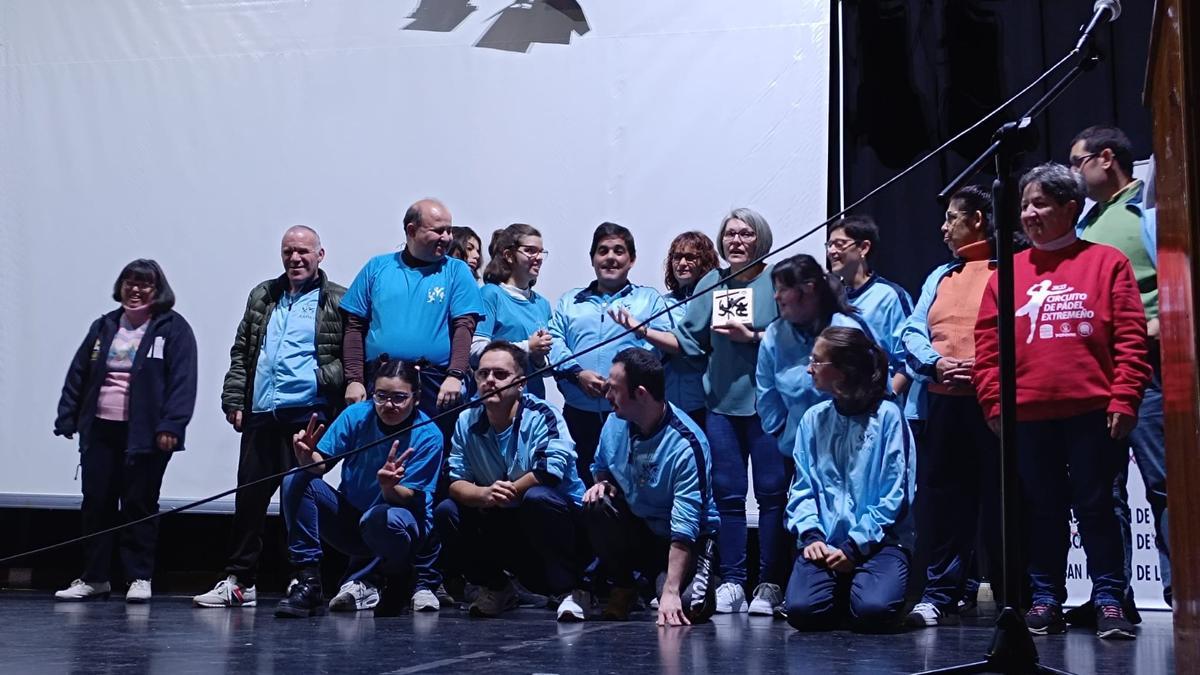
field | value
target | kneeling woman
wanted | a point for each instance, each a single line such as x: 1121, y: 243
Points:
x: 383, y: 508
x: 852, y: 493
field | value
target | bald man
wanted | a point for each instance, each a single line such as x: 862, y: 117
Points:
x: 415, y: 304
x: 285, y: 365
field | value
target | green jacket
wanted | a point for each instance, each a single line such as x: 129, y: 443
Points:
x: 238, y: 392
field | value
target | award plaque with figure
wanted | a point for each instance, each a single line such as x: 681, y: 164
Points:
x: 734, y: 305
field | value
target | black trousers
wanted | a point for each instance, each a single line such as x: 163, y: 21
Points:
x: 119, y: 488
x: 266, y: 450
x: 585, y: 427
x: 958, y: 499
x: 538, y: 541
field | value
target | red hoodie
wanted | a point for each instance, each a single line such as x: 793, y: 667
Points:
x: 1081, y: 335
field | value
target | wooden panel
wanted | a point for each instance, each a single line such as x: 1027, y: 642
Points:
x: 1171, y: 94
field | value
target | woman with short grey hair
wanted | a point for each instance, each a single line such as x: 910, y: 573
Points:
x: 1056, y: 181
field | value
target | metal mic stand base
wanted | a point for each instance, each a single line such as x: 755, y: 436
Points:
x: 1011, y: 651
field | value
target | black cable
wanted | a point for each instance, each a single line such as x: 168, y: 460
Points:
x: 537, y: 373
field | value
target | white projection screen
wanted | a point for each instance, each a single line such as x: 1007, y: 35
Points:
x: 196, y: 131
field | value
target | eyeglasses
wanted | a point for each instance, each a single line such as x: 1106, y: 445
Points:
x: 392, y: 397
x: 952, y: 215
x: 685, y: 257
x: 499, y: 374
x: 744, y: 235
x: 135, y: 284
x: 1079, y: 161
x: 840, y: 244
x: 533, y: 251
x: 819, y: 364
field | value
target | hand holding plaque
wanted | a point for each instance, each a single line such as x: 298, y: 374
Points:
x: 733, y: 314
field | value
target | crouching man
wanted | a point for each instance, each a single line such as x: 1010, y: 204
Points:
x: 515, y: 493
x: 652, y: 506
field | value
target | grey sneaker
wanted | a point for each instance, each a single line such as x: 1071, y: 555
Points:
x: 490, y: 604
x: 443, y: 597
x: 139, y: 591
x: 425, y: 600
x: 355, y: 596
x: 84, y: 590
x: 766, y: 598
x: 228, y: 593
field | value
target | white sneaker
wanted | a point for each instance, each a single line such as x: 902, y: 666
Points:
x: 923, y: 614
x: 354, y: 596
x: 731, y: 599
x: 139, y: 591
x: 574, y: 606
x: 83, y: 590
x: 425, y: 600
x: 766, y: 598
x: 228, y: 593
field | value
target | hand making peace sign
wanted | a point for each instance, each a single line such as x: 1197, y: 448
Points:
x: 304, y: 443
x: 393, y: 470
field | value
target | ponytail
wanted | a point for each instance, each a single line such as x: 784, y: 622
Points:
x: 499, y: 269
x: 863, y: 365
x: 802, y: 269
x: 409, y: 371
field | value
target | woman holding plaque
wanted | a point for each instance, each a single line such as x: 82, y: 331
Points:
x: 726, y: 324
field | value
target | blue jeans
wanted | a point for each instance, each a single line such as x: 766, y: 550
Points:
x: 425, y: 558
x: 734, y: 440
x: 382, y: 540
x: 871, y: 596
x: 1069, y: 464
x: 1149, y: 451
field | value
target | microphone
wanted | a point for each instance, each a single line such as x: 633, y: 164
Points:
x: 1102, y: 8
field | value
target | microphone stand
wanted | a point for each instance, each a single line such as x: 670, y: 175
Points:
x: 1012, y: 649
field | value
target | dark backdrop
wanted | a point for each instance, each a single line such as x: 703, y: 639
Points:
x: 917, y: 72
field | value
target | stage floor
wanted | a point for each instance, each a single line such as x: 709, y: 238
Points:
x: 38, y: 635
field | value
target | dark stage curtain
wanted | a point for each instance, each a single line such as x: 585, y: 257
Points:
x: 919, y: 71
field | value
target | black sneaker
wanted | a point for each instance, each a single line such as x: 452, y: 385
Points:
x: 304, y: 598
x: 702, y: 603
x: 1045, y: 620
x: 1111, y: 624
x: 967, y: 607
